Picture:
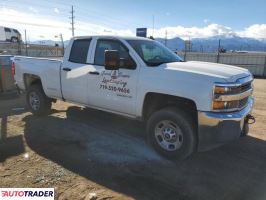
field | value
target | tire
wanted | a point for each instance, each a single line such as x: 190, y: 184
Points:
x: 172, y: 133
x: 38, y: 103
x: 14, y: 39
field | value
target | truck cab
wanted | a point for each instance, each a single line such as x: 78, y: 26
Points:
x: 187, y: 106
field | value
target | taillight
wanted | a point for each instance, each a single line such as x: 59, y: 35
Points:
x: 13, y: 69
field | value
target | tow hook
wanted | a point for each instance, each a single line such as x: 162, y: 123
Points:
x: 250, y: 119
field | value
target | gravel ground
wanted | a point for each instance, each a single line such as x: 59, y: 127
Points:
x: 82, y: 153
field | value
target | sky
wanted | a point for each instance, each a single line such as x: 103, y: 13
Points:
x: 44, y: 19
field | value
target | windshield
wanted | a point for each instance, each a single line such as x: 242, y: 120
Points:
x: 153, y: 53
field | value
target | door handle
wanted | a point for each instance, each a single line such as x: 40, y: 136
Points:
x: 94, y: 73
x: 67, y: 69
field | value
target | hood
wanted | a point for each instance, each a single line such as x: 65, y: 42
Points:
x: 227, y: 72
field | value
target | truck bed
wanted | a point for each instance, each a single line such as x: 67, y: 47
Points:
x: 47, y: 69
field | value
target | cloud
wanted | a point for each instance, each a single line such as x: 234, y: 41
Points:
x: 206, y: 21
x: 42, y: 25
x: 36, y: 25
x: 33, y: 10
x: 254, y: 31
x: 194, y: 32
x: 56, y: 10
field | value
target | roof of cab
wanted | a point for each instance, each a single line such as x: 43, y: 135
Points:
x: 111, y: 36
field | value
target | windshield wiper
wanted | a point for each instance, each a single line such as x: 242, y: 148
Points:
x: 163, y: 62
x: 155, y: 64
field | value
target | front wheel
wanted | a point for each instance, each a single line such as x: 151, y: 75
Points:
x: 37, y: 101
x: 172, y: 133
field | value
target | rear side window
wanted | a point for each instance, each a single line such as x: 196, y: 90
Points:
x: 79, y: 51
x: 7, y: 30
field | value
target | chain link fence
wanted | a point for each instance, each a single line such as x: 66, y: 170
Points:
x: 7, y: 50
x: 254, y: 62
x: 32, y: 50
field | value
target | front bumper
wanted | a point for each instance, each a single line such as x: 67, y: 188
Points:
x: 215, y: 128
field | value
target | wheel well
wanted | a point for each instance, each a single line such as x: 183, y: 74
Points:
x: 157, y: 101
x: 30, y: 79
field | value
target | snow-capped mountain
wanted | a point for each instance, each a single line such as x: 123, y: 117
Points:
x: 234, y: 43
x: 173, y: 44
x: 210, y: 44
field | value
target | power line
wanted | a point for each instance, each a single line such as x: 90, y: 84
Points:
x: 106, y: 18
x: 85, y: 13
x: 72, y: 21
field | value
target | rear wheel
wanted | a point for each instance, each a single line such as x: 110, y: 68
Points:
x: 172, y: 133
x: 37, y: 101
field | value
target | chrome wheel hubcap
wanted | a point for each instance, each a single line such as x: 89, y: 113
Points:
x: 34, y: 101
x: 168, y: 135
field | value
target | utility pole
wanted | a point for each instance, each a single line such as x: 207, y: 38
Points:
x: 62, y: 41
x: 26, y: 43
x: 72, y: 21
x: 165, y: 39
x: 218, y: 52
x: 153, y: 26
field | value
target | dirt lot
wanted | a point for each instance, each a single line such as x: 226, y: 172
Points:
x: 80, y: 151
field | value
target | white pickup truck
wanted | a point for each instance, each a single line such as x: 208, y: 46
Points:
x: 187, y: 106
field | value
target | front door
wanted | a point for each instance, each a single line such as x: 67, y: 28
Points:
x: 114, y: 90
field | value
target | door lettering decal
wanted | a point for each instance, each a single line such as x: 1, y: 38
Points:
x: 115, y: 81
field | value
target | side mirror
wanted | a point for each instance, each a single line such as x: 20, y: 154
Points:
x: 112, y: 60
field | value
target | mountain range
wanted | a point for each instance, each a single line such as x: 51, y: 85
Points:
x: 232, y: 43
x: 211, y: 44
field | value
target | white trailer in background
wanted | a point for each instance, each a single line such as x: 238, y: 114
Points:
x: 9, y: 34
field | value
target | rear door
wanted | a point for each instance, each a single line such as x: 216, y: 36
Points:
x: 113, y: 90
x: 74, y: 72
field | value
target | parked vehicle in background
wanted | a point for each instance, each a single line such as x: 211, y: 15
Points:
x: 187, y: 106
x: 9, y: 35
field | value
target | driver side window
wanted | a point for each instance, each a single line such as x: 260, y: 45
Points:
x: 104, y: 44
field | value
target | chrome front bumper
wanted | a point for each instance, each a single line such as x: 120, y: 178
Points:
x: 215, y: 128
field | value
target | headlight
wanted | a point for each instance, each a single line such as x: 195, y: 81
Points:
x: 220, y: 90
x: 230, y: 97
x: 219, y: 105
x: 225, y: 105
x: 216, y: 104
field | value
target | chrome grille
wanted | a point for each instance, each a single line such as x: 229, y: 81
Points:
x: 239, y: 89
x: 243, y: 103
